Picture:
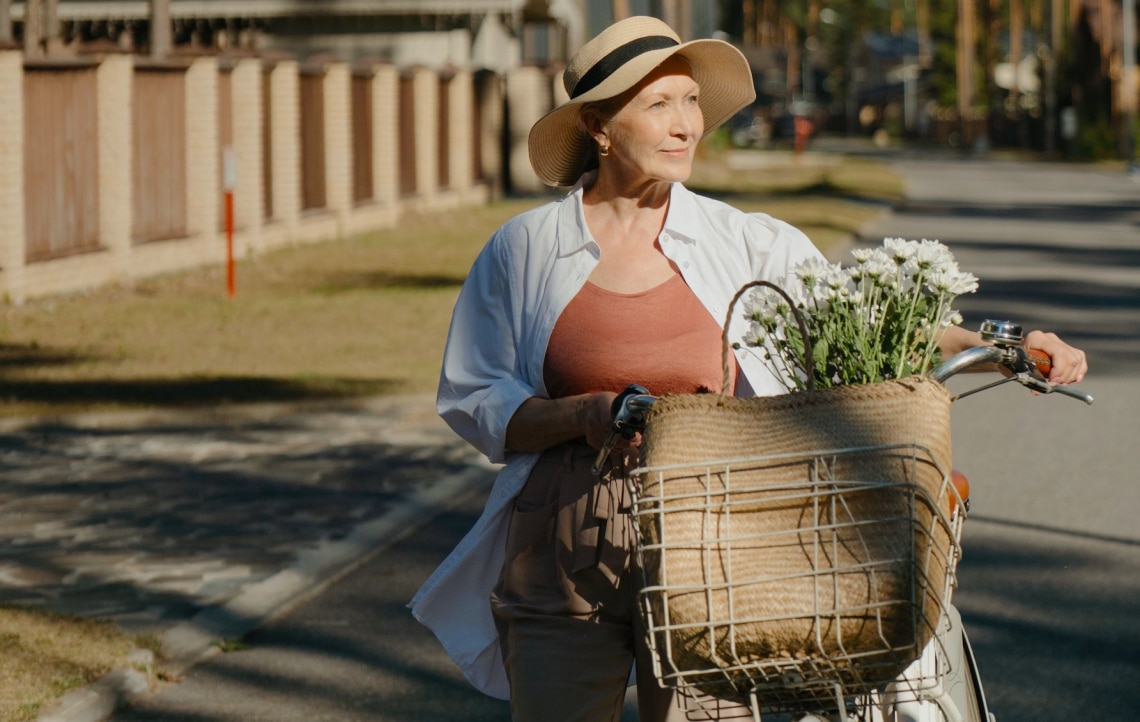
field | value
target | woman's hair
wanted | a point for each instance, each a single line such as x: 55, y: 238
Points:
x: 604, y: 110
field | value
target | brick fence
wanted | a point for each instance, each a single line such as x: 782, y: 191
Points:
x: 113, y: 168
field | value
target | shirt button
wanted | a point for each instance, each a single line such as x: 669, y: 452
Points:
x: 685, y: 264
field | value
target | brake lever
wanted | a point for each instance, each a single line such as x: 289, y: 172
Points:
x: 604, y: 452
x: 1028, y: 367
x: 628, y: 409
x: 1035, y: 382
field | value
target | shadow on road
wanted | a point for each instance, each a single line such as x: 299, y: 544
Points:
x: 352, y: 654
x: 1042, y: 608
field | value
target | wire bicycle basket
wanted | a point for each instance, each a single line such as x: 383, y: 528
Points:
x: 794, y: 581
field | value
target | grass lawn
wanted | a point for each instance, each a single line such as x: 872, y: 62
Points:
x: 366, y: 315
x: 46, y: 654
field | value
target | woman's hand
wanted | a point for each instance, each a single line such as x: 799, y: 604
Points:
x: 596, y: 417
x: 1069, y: 363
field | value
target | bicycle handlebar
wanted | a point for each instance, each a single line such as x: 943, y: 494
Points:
x: 1028, y: 367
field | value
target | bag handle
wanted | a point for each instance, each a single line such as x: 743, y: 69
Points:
x: 726, y: 347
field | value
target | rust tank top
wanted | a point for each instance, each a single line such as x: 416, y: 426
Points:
x: 663, y: 339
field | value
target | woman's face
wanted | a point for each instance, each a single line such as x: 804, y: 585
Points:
x: 654, y: 135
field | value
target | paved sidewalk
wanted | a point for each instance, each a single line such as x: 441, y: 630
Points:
x: 200, y: 526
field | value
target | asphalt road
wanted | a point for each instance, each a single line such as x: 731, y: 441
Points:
x: 1050, y: 583
x: 354, y: 653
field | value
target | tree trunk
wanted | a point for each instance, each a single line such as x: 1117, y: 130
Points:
x: 922, y: 20
x: 966, y: 50
x: 794, y: 63
x: 1106, y: 11
x: 991, y: 32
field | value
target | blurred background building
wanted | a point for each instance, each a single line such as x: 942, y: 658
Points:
x: 1048, y: 75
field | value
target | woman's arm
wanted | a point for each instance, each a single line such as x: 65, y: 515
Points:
x: 1069, y: 363
x: 539, y: 424
x: 480, y: 384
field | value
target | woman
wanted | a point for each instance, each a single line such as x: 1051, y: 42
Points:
x: 625, y: 280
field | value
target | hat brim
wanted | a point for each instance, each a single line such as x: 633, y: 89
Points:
x: 558, y: 142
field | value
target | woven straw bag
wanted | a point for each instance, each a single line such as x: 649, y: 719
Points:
x: 805, y: 532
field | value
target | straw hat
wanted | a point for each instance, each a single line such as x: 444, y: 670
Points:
x: 615, y: 61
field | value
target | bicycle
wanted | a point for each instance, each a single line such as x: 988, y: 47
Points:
x: 932, y: 678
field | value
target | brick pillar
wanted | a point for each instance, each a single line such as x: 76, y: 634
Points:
x: 426, y: 94
x: 285, y: 99
x: 529, y: 96
x: 461, y: 126
x: 338, y: 143
x: 116, y: 156
x: 385, y: 135
x: 203, y: 171
x: 13, y: 244
x: 249, y: 192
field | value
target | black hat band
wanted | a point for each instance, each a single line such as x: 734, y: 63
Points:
x: 618, y: 57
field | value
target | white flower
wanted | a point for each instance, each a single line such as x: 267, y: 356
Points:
x: 811, y: 270
x: 879, y: 268
x: 899, y: 249
x: 949, y: 280
x: 755, y: 334
x: 932, y: 254
x: 753, y: 305
x: 837, y: 278
x: 801, y: 295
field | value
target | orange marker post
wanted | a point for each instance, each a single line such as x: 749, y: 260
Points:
x: 229, y: 180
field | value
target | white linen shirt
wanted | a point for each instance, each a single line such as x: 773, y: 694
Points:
x: 517, y: 288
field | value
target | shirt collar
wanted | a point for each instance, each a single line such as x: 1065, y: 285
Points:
x: 573, y: 234
x: 683, y: 220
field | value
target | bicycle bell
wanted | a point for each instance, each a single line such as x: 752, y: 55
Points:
x: 1001, y: 333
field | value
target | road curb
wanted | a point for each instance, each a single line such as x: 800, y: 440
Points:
x: 206, y: 633
x: 99, y: 700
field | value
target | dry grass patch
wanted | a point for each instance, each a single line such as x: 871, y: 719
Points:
x: 46, y: 654
x: 362, y: 316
